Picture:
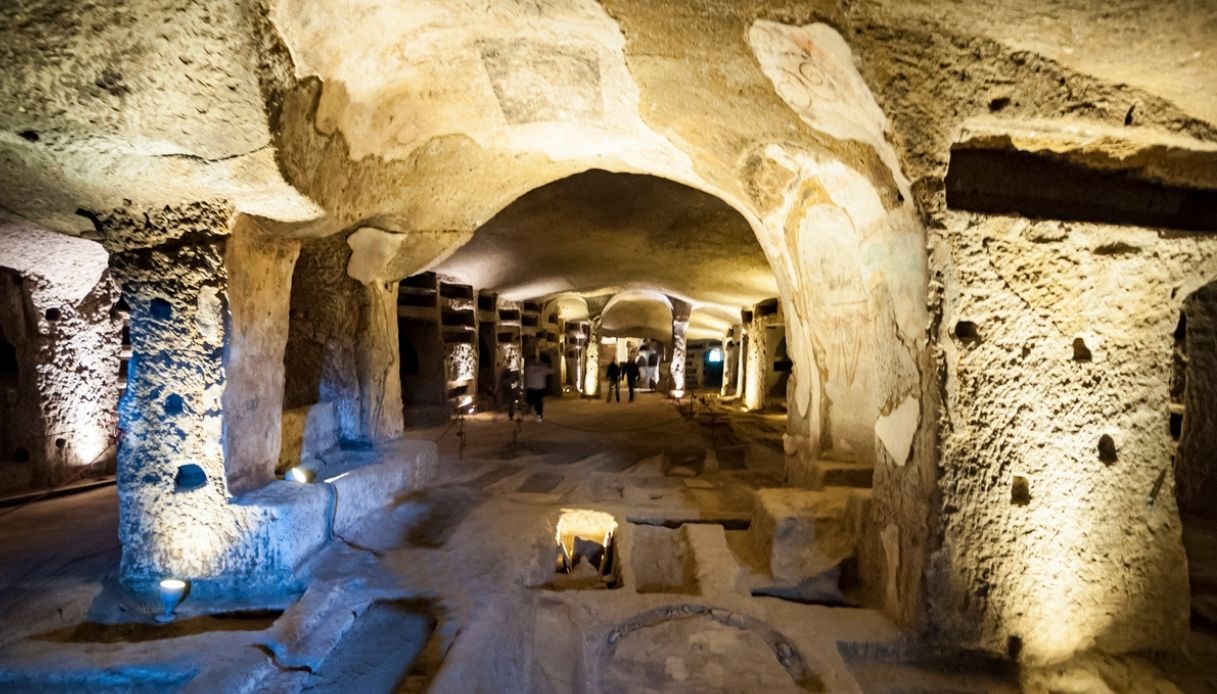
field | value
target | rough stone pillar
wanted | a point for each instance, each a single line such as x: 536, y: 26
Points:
x: 190, y: 348
x: 680, y: 329
x: 731, y: 347
x: 377, y: 360
x: 259, y: 269
x: 757, y: 365
x: 56, y: 301
x: 591, y: 361
x: 1196, y: 465
x: 171, y: 477
x: 741, y: 367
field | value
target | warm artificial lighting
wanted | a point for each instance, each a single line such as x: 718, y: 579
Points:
x: 299, y: 474
x: 172, y: 592
x: 596, y: 526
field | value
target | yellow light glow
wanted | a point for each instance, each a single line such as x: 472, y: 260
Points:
x: 584, y: 523
x: 299, y: 474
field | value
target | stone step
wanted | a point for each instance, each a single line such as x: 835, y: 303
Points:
x: 806, y: 536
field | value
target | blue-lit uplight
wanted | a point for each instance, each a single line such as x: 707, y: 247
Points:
x: 172, y: 591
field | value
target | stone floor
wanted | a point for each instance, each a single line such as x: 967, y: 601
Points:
x: 456, y: 588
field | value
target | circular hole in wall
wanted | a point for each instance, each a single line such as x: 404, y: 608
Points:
x: 60, y: 443
x: 160, y: 308
x: 53, y: 314
x: 1107, y: 449
x: 174, y: 404
x: 967, y: 331
x: 1080, y: 351
x: 189, y: 476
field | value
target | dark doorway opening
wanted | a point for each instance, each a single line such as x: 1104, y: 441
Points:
x: 1192, y: 422
x: 487, y: 382
x: 712, y: 368
x: 9, y: 368
x: 779, y: 369
x: 423, y: 381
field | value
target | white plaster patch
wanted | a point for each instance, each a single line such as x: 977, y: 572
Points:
x: 549, y: 78
x: 897, y: 428
x: 371, y: 252
x: 855, y: 194
x: 209, y: 318
x: 812, y: 69
x: 378, y: 255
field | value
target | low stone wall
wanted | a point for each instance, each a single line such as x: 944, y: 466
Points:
x: 402, y: 466
x: 284, y: 523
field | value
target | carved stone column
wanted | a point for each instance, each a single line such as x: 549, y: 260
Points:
x: 731, y: 346
x: 680, y: 329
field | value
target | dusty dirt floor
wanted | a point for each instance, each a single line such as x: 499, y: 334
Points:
x: 464, y: 587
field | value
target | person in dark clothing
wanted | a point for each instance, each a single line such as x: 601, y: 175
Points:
x: 614, y: 382
x: 536, y: 382
x: 631, y: 377
x: 509, y: 390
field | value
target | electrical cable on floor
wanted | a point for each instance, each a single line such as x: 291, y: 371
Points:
x: 450, y: 425
x: 461, y: 434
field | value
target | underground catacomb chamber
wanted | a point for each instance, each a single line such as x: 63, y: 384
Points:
x: 916, y: 248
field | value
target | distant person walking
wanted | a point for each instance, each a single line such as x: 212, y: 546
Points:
x: 536, y: 382
x: 631, y: 376
x: 614, y: 382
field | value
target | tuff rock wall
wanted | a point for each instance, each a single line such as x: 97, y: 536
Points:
x: 57, y: 302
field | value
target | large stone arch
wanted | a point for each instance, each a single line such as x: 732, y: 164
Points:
x: 800, y: 150
x: 826, y: 202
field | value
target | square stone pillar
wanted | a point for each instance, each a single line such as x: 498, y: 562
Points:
x: 200, y: 417
x: 377, y: 359
x: 731, y: 361
x: 741, y: 369
x: 591, y: 364
x: 680, y: 330
x: 757, y: 365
